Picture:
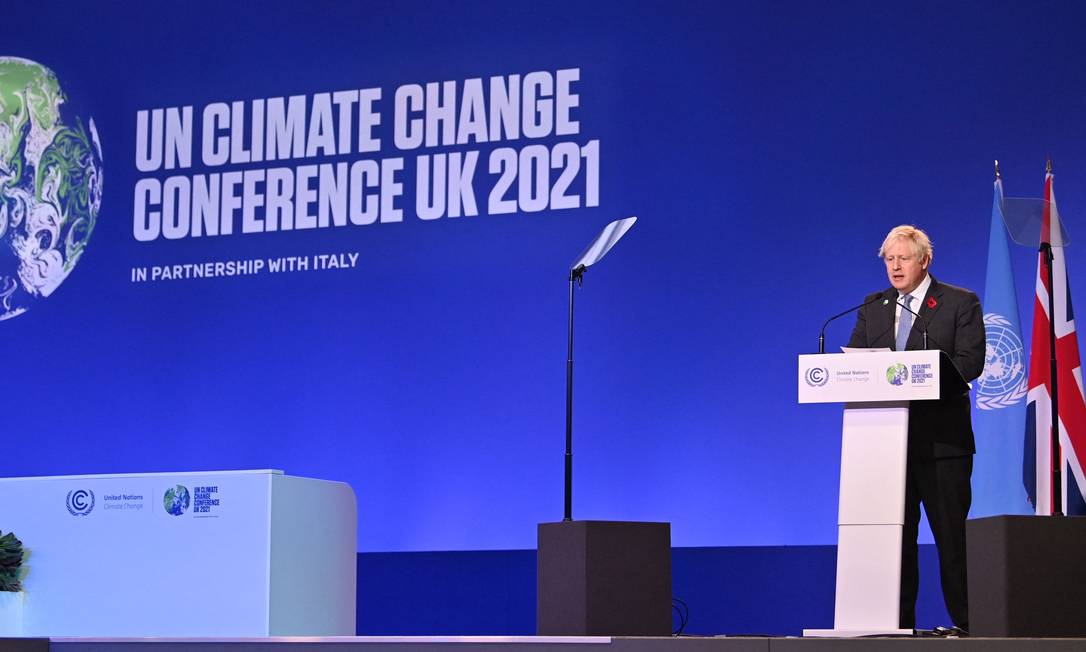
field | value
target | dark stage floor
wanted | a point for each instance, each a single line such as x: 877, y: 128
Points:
x: 534, y: 644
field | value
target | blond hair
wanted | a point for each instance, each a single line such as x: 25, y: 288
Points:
x: 917, y: 238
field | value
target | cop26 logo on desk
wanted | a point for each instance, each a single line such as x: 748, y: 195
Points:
x: 80, y: 502
x: 50, y: 185
x: 1003, y: 381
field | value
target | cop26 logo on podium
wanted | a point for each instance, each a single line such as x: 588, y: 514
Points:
x: 1003, y: 381
x: 50, y: 185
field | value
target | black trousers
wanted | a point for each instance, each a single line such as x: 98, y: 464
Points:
x: 942, y: 486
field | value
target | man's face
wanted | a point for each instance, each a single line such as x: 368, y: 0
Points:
x: 905, y: 269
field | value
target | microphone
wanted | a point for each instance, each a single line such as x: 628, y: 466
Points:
x: 884, y: 297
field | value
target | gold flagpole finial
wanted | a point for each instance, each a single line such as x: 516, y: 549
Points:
x: 1048, y: 165
x: 997, y: 168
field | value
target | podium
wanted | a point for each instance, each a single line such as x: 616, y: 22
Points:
x: 876, y: 389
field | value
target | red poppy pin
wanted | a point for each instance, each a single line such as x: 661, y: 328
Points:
x: 932, y: 302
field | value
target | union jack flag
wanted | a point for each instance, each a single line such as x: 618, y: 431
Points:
x: 1037, y: 463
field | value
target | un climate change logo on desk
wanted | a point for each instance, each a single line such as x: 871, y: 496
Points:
x: 80, y: 502
x: 1003, y: 381
x: 816, y: 376
x: 897, y: 374
x: 176, y: 500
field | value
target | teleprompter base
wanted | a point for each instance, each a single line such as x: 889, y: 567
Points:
x: 1027, y: 576
x: 604, y: 578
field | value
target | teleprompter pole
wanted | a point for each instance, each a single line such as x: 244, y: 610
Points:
x: 595, y: 252
x: 575, y: 276
x: 1056, y: 461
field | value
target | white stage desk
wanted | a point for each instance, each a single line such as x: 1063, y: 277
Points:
x: 232, y: 553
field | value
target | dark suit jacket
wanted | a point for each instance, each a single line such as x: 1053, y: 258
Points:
x: 955, y: 324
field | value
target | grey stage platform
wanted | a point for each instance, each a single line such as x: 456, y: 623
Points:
x: 536, y: 644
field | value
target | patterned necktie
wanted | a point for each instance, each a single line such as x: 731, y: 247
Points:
x: 905, y: 324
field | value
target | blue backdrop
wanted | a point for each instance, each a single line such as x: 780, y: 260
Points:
x: 765, y: 147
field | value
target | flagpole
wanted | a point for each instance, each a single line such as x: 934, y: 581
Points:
x: 1056, y: 460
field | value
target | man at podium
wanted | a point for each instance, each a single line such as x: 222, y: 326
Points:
x: 941, y: 446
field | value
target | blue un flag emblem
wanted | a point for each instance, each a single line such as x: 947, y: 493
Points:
x: 1003, y: 381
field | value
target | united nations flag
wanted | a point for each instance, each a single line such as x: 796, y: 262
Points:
x: 1004, y: 381
x: 1000, y: 418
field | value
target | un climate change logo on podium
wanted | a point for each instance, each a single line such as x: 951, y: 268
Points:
x: 816, y: 376
x: 897, y: 374
x: 80, y: 502
x: 176, y: 500
x: 1003, y: 381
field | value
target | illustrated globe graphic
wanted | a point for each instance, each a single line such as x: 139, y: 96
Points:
x: 50, y: 185
x: 897, y: 374
x: 176, y: 500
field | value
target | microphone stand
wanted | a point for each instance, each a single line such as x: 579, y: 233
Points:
x: 822, y: 333
x: 923, y: 322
